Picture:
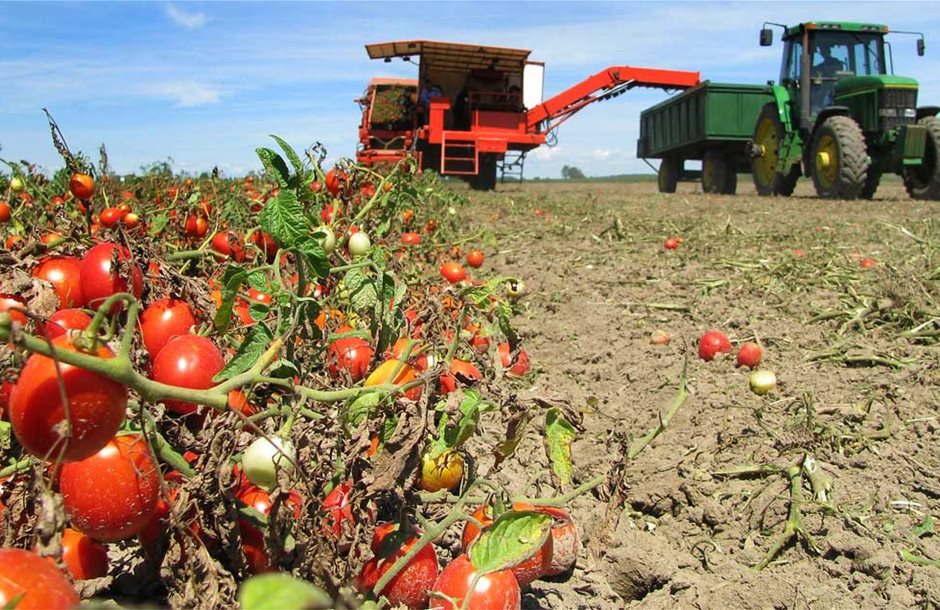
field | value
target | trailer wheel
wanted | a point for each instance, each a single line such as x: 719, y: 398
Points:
x: 768, y: 135
x: 840, y: 160
x: 485, y: 180
x: 923, y: 182
x: 719, y: 173
x: 668, y: 175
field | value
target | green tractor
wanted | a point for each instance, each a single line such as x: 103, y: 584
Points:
x: 841, y: 117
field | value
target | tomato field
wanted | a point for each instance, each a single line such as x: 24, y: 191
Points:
x: 329, y: 387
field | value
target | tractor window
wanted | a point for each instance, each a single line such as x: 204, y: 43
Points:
x: 792, y: 67
x: 847, y: 53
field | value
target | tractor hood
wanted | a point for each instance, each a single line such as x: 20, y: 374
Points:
x: 861, y: 84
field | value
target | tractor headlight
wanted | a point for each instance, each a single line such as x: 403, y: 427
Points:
x: 910, y: 113
x: 888, y: 112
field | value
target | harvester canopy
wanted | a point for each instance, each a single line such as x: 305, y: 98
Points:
x: 452, y: 56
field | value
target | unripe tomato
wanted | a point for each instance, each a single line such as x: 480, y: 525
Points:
x: 762, y: 382
x: 162, y: 320
x: 96, y: 406
x: 475, y: 258
x: 113, y: 494
x: 712, y: 343
x: 17, y: 185
x: 442, y: 472
x: 100, y: 281
x: 453, y: 272
x: 30, y: 582
x: 494, y: 591
x: 82, y: 186
x: 65, y: 320
x: 383, y: 374
x: 749, y: 355
x: 328, y: 241
x: 359, y: 243
x: 264, y: 457
x: 410, y: 586
x: 187, y: 361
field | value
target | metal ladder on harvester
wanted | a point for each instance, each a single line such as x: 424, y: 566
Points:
x: 459, y: 154
x: 510, y: 166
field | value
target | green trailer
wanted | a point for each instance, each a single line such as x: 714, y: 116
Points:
x: 713, y: 123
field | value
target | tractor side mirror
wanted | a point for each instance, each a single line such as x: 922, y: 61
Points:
x: 766, y: 37
x: 921, y: 47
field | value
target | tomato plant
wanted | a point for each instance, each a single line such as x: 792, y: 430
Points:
x: 123, y: 472
x: 95, y: 406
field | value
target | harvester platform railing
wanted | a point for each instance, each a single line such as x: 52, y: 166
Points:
x: 604, y: 85
x: 458, y: 154
x: 511, y: 165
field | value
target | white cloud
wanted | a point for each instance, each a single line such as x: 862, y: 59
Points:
x: 546, y: 153
x: 602, y: 154
x: 190, y: 21
x: 186, y: 94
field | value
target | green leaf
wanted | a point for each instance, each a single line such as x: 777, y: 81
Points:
x: 291, y: 155
x: 155, y: 224
x: 283, y: 369
x: 259, y: 281
x: 558, y: 438
x: 6, y: 435
x: 256, y: 341
x: 283, y: 219
x: 360, y: 408
x: 925, y: 528
x: 278, y: 591
x: 314, y: 254
x: 259, y: 311
x: 362, y: 291
x: 274, y: 165
x: 231, y: 281
x: 511, y: 539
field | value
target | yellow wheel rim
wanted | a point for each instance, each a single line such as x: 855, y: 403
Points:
x: 827, y: 160
x: 765, y: 166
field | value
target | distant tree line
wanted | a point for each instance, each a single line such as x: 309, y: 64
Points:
x: 570, y: 172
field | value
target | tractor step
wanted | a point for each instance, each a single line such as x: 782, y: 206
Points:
x: 459, y: 155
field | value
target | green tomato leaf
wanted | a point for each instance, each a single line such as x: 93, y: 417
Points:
x: 925, y: 528
x: 274, y: 165
x: 291, y: 156
x: 558, y: 438
x: 231, y: 280
x: 314, y: 254
x: 277, y: 591
x: 283, y: 219
x: 511, y: 539
x: 157, y: 223
x: 362, y: 291
x: 259, y: 311
x: 256, y: 341
x: 259, y: 281
x: 360, y: 409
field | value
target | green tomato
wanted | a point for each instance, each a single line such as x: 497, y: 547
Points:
x: 17, y: 185
x: 263, y: 457
x: 762, y: 382
x: 359, y: 244
x: 328, y: 241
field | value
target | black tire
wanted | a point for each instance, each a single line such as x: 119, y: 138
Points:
x: 768, y: 137
x: 871, y: 183
x: 923, y: 182
x: 839, y: 159
x: 719, y: 173
x: 668, y: 176
x: 485, y: 180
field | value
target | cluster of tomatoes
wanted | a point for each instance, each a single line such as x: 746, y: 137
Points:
x: 92, y: 422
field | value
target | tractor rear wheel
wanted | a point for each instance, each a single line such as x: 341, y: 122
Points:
x: 840, y: 160
x: 719, y: 173
x: 668, y: 176
x: 923, y: 182
x: 768, y: 137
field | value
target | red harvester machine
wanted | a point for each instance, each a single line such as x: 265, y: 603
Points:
x: 485, y: 111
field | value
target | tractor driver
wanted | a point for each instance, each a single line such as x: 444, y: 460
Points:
x: 829, y: 65
x: 824, y: 72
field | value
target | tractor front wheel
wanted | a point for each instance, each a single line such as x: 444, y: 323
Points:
x: 923, y: 181
x: 839, y: 159
x: 719, y: 173
x: 768, y: 136
x: 668, y: 176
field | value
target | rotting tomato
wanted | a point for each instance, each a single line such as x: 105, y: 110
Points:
x: 712, y: 343
x: 28, y: 582
x: 443, y: 471
x: 121, y: 472
x: 65, y: 275
x: 162, y: 320
x: 494, y: 591
x: 460, y: 371
x: 531, y: 569
x: 65, y: 320
x: 516, y: 368
x: 96, y: 406
x: 338, y: 510
x: 187, y: 361
x: 100, y: 281
x: 82, y: 186
x: 410, y: 586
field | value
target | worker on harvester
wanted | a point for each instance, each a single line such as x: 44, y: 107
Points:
x: 428, y: 91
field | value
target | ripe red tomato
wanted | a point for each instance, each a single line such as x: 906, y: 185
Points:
x: 749, y: 355
x: 352, y: 354
x: 475, y: 258
x: 111, y: 216
x: 266, y: 244
x: 410, y: 238
x: 187, y: 361
x: 5, y: 212
x: 867, y: 263
x: 84, y: 557
x: 99, y: 280
x: 252, y: 536
x: 237, y: 401
x: 515, y: 369
x: 453, y: 272
x: 65, y: 320
x: 338, y: 511
x: 65, y: 275
x: 466, y: 372
x: 96, y: 406
x: 228, y: 244
x: 10, y: 301
x: 712, y: 343
x: 82, y: 186
x: 162, y: 320
x: 410, y: 586
x: 44, y: 586
x: 494, y: 591
x: 113, y: 494
x: 333, y: 181
x: 671, y: 243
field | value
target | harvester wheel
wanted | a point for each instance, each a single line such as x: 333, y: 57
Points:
x: 485, y: 180
x: 923, y: 182
x: 719, y: 173
x: 768, y: 136
x: 839, y: 159
x: 668, y: 176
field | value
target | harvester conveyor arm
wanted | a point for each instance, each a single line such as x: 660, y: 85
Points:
x: 605, y: 84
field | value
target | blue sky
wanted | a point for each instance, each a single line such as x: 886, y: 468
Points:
x: 204, y: 83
